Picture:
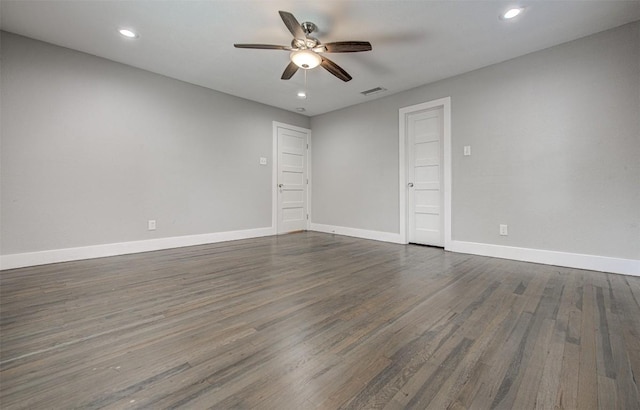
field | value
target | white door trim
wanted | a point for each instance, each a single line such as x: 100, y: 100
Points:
x: 445, y: 103
x: 274, y: 173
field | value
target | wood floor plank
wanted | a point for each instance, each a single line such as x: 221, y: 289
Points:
x: 526, y: 396
x: 626, y: 385
x: 588, y: 375
x: 551, y: 376
x: 316, y: 321
x: 567, y: 389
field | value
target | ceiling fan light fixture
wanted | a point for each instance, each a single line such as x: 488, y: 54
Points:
x: 306, y: 59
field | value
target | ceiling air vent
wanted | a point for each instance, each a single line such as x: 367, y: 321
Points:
x: 373, y: 91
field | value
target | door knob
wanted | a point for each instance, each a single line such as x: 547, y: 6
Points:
x: 279, y: 185
x: 410, y: 184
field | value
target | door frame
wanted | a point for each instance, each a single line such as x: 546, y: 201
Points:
x: 274, y: 173
x: 404, y: 112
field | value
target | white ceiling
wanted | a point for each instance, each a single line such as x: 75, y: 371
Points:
x: 414, y: 42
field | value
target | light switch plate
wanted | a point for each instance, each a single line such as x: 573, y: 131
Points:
x: 467, y: 150
x: 263, y: 161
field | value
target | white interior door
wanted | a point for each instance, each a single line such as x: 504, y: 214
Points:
x: 425, y: 177
x: 292, y: 180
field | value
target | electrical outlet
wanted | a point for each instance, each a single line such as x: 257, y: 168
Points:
x: 263, y: 161
x: 151, y: 225
x: 503, y: 230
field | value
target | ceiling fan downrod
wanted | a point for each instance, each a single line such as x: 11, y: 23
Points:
x: 308, y: 27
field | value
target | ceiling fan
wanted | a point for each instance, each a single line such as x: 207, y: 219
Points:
x: 305, y: 49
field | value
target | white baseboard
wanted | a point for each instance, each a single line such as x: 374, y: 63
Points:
x: 20, y: 260
x: 357, y: 233
x: 571, y: 260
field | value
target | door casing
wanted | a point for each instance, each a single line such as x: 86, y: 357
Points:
x: 445, y: 103
x: 274, y: 174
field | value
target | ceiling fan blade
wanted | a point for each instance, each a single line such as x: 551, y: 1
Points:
x: 335, y: 69
x: 291, y: 69
x: 292, y: 24
x: 262, y: 46
x: 347, y: 46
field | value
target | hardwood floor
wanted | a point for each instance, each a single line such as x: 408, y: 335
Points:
x: 311, y: 320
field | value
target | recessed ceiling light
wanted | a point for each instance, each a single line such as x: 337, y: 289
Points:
x: 302, y: 94
x: 511, y: 13
x: 300, y: 109
x: 128, y: 33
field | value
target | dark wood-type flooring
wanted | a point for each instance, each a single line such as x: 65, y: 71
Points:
x: 311, y: 320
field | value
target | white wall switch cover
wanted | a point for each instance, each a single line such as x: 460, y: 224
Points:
x: 263, y: 161
x: 152, y: 225
x: 503, y: 230
x: 467, y: 150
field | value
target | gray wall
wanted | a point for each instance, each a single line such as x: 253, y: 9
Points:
x: 555, y: 139
x: 92, y: 149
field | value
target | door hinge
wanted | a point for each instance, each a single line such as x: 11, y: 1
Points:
x: 307, y: 217
x: 307, y: 181
x: 307, y: 146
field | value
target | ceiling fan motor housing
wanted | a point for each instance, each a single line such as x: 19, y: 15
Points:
x: 308, y: 42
